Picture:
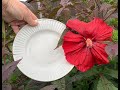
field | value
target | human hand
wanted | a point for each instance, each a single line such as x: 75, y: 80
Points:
x: 16, y: 14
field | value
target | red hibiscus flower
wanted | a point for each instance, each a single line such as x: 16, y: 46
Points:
x: 86, y: 49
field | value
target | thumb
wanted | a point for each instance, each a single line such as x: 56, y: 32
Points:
x: 30, y: 20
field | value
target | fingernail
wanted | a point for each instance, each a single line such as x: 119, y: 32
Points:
x: 36, y: 22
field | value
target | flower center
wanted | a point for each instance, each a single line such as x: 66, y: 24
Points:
x: 89, y: 42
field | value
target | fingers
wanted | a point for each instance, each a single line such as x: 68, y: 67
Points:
x: 20, y: 12
x: 33, y: 16
x: 30, y: 18
x: 15, y: 29
x: 16, y: 23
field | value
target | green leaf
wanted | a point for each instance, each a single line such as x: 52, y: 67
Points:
x: 60, y: 84
x: 69, y: 86
x: 72, y: 72
x: 111, y: 72
x: 91, y: 72
x: 35, y: 85
x: 115, y: 35
x: 61, y: 38
x: 3, y: 29
x: 108, y: 1
x: 113, y: 22
x: 4, y: 37
x: 94, y: 85
x: 79, y: 76
x: 76, y: 77
x: 104, y: 84
x: 15, y: 76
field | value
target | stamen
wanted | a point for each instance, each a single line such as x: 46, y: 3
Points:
x: 89, y: 42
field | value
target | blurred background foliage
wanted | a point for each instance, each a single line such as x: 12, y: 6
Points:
x: 104, y: 77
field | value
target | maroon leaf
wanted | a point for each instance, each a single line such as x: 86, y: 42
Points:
x: 8, y: 69
x: 67, y: 14
x: 95, y: 12
x: 110, y: 12
x: 59, y: 11
x: 30, y: 7
x: 3, y: 52
x: 21, y: 87
x: 115, y: 15
x: 105, y: 6
x: 49, y: 87
x: 80, y: 6
x: 90, y: 2
x: 54, y: 12
x: 62, y: 11
x: 6, y: 87
x: 35, y: 85
x: 112, y: 50
x: 64, y: 2
x: 72, y: 11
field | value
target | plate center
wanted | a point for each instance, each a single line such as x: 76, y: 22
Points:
x: 40, y: 47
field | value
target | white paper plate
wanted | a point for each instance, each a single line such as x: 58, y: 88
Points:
x: 35, y: 45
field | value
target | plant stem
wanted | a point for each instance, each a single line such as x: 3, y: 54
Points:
x: 4, y: 36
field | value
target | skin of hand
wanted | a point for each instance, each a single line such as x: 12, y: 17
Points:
x: 17, y: 14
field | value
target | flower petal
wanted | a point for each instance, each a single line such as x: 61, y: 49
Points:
x: 99, y: 53
x: 100, y: 30
x: 77, y: 57
x: 72, y: 46
x: 70, y: 36
x: 88, y: 62
x: 77, y: 25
